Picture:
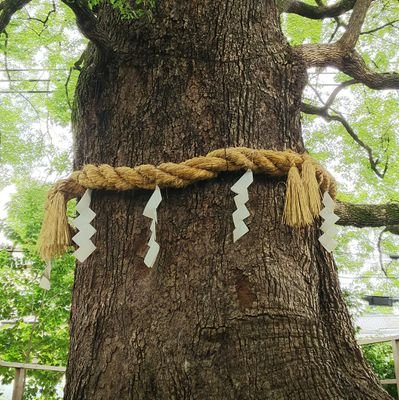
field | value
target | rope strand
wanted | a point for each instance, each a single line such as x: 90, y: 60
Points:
x: 306, y: 180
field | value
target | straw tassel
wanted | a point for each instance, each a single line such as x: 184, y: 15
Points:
x: 311, y: 187
x: 302, y: 197
x: 55, y: 237
x: 296, y: 208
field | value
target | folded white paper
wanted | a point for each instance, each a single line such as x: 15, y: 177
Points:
x: 328, y: 242
x: 241, y: 188
x: 86, y: 230
x: 45, y: 279
x: 150, y: 211
x: 328, y: 226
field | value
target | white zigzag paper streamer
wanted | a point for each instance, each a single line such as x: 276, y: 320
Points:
x: 328, y: 226
x: 241, y: 188
x: 45, y: 279
x: 86, y: 231
x: 150, y: 211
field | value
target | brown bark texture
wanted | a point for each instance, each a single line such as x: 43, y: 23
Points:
x: 262, y: 318
x: 369, y: 215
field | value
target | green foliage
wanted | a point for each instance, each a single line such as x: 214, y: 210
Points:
x: 354, y: 303
x: 40, y: 50
x: 25, y: 213
x: 38, y: 326
x: 373, y: 116
x: 299, y: 33
x: 128, y: 9
x: 380, y: 358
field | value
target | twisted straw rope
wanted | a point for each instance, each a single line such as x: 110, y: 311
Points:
x: 178, y: 175
x: 302, y: 202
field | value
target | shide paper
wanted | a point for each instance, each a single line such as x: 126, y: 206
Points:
x: 150, y: 211
x: 241, y: 188
x: 328, y: 226
x: 45, y: 279
x: 86, y: 230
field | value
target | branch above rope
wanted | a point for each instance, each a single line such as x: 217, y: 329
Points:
x: 320, y: 12
x: 345, y: 44
x: 88, y: 24
x: 323, y: 112
x: 343, y: 56
x: 7, y: 9
x: 351, y: 35
x: 351, y: 63
x: 332, y: 54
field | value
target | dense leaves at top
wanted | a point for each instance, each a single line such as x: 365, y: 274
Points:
x: 37, y: 79
x: 128, y: 10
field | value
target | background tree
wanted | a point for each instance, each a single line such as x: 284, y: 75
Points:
x: 175, y: 80
x: 34, y: 322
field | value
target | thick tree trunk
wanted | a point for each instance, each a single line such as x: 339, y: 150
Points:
x: 262, y: 318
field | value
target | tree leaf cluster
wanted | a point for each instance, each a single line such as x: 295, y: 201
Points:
x: 128, y: 9
x: 372, y: 114
x: 37, y: 327
x: 380, y: 358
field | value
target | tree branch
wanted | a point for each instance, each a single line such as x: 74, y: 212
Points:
x: 7, y: 9
x: 323, y: 112
x: 355, y: 66
x: 88, y: 24
x: 350, y: 63
x: 391, y: 23
x: 337, y: 90
x: 351, y: 35
x: 342, y: 55
x: 369, y: 215
x: 343, y: 46
x: 320, y: 12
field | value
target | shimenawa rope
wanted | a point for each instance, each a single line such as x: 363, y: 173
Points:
x: 306, y: 181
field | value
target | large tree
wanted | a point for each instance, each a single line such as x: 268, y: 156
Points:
x: 262, y: 318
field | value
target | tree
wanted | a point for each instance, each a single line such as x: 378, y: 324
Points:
x: 262, y: 318
x: 37, y: 320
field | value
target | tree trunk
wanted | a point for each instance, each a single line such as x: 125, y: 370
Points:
x: 262, y: 318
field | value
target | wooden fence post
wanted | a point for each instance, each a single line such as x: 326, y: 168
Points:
x: 395, y: 349
x: 19, y: 384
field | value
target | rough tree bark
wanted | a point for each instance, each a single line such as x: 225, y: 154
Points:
x: 366, y: 215
x: 259, y: 319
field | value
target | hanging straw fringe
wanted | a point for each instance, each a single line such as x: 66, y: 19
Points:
x: 55, y: 237
x: 311, y: 186
x: 296, y: 207
x: 302, y: 203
